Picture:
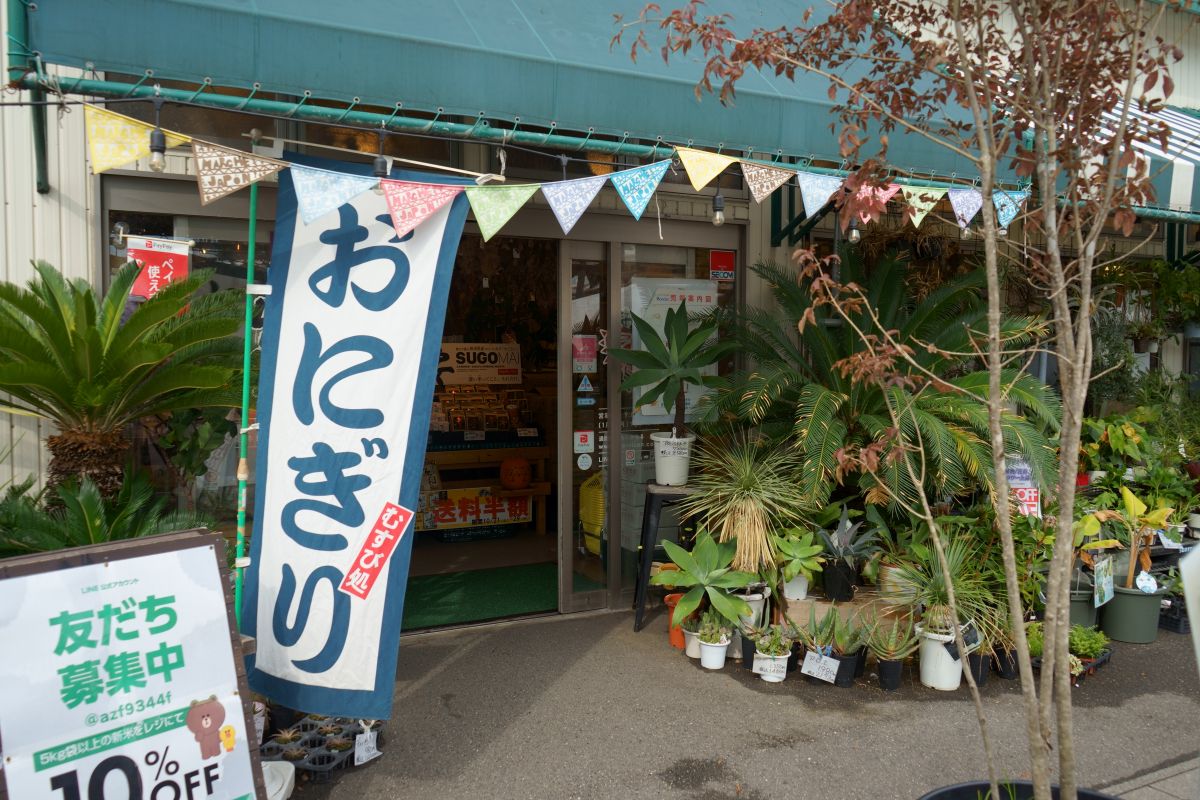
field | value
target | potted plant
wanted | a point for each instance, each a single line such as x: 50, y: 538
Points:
x: 1173, y: 616
x: 891, y: 645
x: 664, y: 369
x: 707, y: 575
x: 926, y: 588
x: 1132, y: 614
x: 713, y: 635
x: 745, y: 488
x: 1146, y: 334
x: 691, y: 636
x: 848, y: 648
x: 847, y: 546
x: 1090, y: 646
x: 798, y: 557
x: 775, y: 645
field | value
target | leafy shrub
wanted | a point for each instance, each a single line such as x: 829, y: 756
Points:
x: 1086, y: 642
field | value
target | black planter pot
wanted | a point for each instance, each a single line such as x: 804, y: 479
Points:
x: 839, y: 581
x: 793, y: 662
x: 845, y: 672
x: 748, y: 653
x: 1011, y: 790
x: 889, y: 674
x: 1005, y: 662
x: 860, y: 662
x: 981, y: 665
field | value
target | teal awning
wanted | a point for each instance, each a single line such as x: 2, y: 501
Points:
x: 545, y: 61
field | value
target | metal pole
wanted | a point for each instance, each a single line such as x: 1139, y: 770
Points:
x: 243, y: 471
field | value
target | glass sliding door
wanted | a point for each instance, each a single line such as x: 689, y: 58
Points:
x: 583, y: 427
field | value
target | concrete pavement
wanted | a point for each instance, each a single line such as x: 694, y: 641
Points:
x: 582, y: 707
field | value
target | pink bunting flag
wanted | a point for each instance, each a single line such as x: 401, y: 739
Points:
x: 410, y: 204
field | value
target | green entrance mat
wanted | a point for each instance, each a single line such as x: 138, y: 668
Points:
x: 436, y: 600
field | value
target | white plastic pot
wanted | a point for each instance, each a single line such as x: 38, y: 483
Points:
x: 692, y: 649
x: 712, y: 656
x: 672, y: 457
x: 938, y: 670
x: 796, y: 588
x: 280, y: 779
x: 758, y: 604
x: 1194, y: 523
x: 777, y: 659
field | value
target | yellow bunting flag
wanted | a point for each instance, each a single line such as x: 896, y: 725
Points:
x: 702, y: 166
x: 922, y: 199
x: 115, y: 139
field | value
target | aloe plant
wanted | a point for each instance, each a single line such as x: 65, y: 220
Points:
x: 894, y: 642
x: 706, y: 573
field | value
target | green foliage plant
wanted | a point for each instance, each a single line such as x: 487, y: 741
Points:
x: 775, y: 640
x: 84, y: 516
x: 745, y: 487
x: 893, y: 642
x: 1086, y: 642
x: 705, y: 573
x: 66, y: 357
x: 795, y: 390
x: 1035, y: 635
x: 671, y: 363
x: 798, y: 553
x: 713, y: 629
x: 849, y: 543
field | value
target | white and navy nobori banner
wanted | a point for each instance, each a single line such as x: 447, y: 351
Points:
x: 350, y: 347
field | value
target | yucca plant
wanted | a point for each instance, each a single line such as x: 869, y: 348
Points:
x: 83, y: 516
x: 795, y: 390
x: 67, y: 356
x: 745, y: 489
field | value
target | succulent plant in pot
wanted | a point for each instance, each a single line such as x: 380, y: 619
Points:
x: 714, y: 635
x: 891, y: 644
x: 294, y: 754
x: 847, y: 548
x: 707, y: 575
x: 663, y: 370
x: 774, y: 645
x: 798, y: 557
x: 339, y: 743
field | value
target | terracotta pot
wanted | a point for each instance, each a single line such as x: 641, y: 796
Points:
x: 675, y: 632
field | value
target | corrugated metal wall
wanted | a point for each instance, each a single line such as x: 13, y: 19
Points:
x: 59, y: 227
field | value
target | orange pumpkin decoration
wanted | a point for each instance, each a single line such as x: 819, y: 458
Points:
x: 514, y: 473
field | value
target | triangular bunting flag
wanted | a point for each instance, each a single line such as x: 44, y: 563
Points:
x: 636, y: 186
x: 1008, y: 205
x: 319, y: 191
x: 495, y: 205
x: 702, y: 166
x: 816, y: 190
x: 569, y: 199
x: 411, y: 203
x: 921, y: 199
x: 967, y: 203
x: 223, y: 170
x: 764, y: 180
x: 115, y: 139
x: 873, y: 200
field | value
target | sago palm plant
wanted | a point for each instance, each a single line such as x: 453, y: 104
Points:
x: 795, y: 390
x: 82, y: 517
x: 67, y: 356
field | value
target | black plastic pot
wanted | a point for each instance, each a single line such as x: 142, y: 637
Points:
x: 793, y: 662
x: 1005, y: 662
x: 845, y: 672
x: 1175, y: 618
x: 889, y: 674
x: 860, y: 662
x: 839, y: 581
x: 1012, y: 790
x: 748, y: 653
x: 981, y: 665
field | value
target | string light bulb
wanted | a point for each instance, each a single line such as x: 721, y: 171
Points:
x: 158, y: 141
x: 855, y: 235
x: 718, y: 205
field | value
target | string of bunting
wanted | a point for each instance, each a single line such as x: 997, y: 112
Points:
x: 116, y: 140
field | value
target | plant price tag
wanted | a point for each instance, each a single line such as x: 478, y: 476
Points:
x: 823, y: 668
x: 766, y: 665
x: 365, y: 747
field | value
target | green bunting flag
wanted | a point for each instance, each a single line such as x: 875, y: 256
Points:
x: 495, y: 205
